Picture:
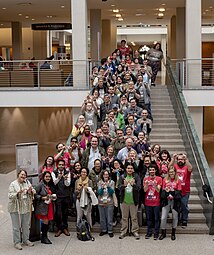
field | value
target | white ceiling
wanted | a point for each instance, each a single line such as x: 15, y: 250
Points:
x: 146, y: 9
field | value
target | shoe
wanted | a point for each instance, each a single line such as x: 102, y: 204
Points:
x: 114, y: 223
x: 18, y: 246
x: 102, y: 233
x: 155, y: 236
x: 173, y: 237
x: 29, y: 243
x: 153, y: 84
x: 136, y: 235
x: 66, y: 232
x: 111, y: 235
x: 45, y: 240
x: 147, y: 236
x: 163, y: 234
x: 58, y: 233
x: 121, y: 236
x: 184, y: 224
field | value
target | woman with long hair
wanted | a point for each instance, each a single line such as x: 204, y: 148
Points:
x: 44, y: 204
x: 170, y: 200
x: 20, y: 205
x: 47, y: 166
x: 105, y: 203
x: 163, y: 162
x: 81, y: 189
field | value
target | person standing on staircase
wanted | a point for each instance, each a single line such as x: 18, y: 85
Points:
x: 170, y: 200
x: 184, y: 170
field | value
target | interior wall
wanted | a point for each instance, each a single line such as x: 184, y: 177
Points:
x: 208, y: 120
x: 20, y: 125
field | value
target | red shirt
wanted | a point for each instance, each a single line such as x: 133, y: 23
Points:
x: 66, y: 157
x: 184, y: 176
x: 152, y: 197
x: 172, y: 185
x: 124, y: 51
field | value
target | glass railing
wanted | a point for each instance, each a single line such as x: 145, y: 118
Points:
x: 201, y: 171
x: 66, y: 74
x: 194, y: 73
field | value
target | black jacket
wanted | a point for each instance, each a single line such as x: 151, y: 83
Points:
x: 176, y: 197
x: 136, y: 188
x: 41, y: 191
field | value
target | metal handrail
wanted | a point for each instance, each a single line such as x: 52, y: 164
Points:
x: 187, y: 133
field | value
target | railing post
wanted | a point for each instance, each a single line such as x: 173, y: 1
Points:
x: 38, y: 75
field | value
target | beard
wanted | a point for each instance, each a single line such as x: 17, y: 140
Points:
x: 181, y: 164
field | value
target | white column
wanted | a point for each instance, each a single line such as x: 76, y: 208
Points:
x: 193, y: 42
x: 95, y: 32
x: 17, y: 40
x: 193, y: 51
x: 80, y: 42
x: 180, y: 33
x: 49, y: 43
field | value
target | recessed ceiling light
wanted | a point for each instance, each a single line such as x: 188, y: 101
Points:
x: 115, y: 10
x: 112, y: 5
x: 20, y: 14
x: 118, y: 15
x: 161, y: 9
x: 32, y: 19
x: 62, y: 6
x: 160, y: 14
x: 163, y: 4
x: 2, y: 24
x: 210, y: 7
x: 4, y: 8
x: 206, y: 10
x: 139, y: 14
x: 120, y: 19
x: 27, y: 17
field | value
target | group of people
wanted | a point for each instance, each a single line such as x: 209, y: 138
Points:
x: 110, y: 169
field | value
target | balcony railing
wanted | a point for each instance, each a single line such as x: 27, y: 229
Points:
x: 45, y: 73
x: 194, y: 73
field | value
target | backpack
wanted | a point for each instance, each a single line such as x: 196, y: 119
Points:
x: 84, y: 231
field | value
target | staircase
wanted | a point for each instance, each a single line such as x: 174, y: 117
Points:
x: 166, y: 132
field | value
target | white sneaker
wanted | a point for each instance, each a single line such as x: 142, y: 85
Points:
x: 29, y: 243
x: 18, y: 246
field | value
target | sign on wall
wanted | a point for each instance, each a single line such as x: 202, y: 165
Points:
x: 51, y: 26
x: 27, y: 159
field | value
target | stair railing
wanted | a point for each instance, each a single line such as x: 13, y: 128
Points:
x: 192, y: 141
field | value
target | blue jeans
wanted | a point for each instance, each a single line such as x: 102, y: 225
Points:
x: 153, y: 216
x: 106, y: 218
x: 184, y: 207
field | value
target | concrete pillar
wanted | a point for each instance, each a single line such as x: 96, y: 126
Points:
x: 40, y: 44
x: 61, y: 39
x: 80, y: 42
x: 95, y: 32
x: 17, y: 40
x: 193, y: 53
x: 49, y: 43
x: 109, y: 38
x: 27, y: 43
x: 172, y: 38
x: 180, y: 33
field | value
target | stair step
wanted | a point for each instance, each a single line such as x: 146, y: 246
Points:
x: 194, y: 199
x: 169, y: 117
x: 164, y: 135
x: 164, y: 125
x: 192, y: 228
x: 165, y: 121
x: 166, y: 142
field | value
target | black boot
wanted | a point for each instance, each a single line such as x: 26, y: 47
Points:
x: 173, y: 237
x: 44, y: 238
x: 163, y: 234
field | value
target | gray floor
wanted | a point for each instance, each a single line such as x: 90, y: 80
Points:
x: 185, y: 244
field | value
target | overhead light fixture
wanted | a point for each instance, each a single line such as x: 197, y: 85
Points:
x: 4, y: 8
x: 112, y: 5
x: 32, y: 19
x: 27, y: 17
x: 62, y: 6
x: 2, y: 24
x: 210, y: 7
x: 120, y: 19
x: 118, y: 15
x: 20, y: 14
x: 139, y: 14
x: 161, y: 9
x: 116, y: 10
x: 163, y: 4
x: 160, y: 14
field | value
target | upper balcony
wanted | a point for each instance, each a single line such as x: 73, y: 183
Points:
x: 44, y: 83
